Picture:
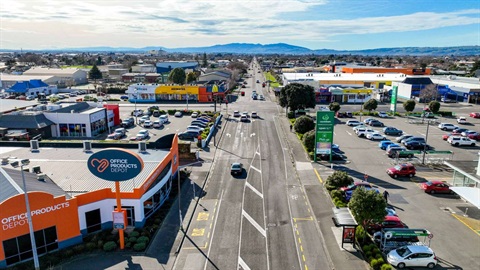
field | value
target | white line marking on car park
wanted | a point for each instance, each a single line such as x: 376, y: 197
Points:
x: 255, y: 169
x: 243, y: 264
x: 348, y: 133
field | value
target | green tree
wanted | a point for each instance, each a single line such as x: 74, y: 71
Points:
x: 475, y: 67
x: 204, y: 61
x: 177, y: 75
x: 191, y: 77
x: 309, y: 140
x: 409, y: 105
x: 334, y: 106
x: 367, y: 206
x: 297, y: 96
x: 434, y: 106
x: 99, y: 60
x: 339, y: 179
x: 304, y: 124
x: 95, y: 73
x: 371, y: 104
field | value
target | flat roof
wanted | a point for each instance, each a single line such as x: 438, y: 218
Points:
x: 10, y: 77
x: 345, y: 76
x: 67, y: 168
x: 7, y: 105
x: 466, y: 167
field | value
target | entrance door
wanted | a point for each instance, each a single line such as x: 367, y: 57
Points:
x: 130, y: 210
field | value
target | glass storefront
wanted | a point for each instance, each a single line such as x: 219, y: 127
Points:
x: 72, y: 130
x: 176, y: 97
x: 98, y: 127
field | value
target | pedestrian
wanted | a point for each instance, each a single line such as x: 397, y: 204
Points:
x: 291, y: 127
x: 385, y: 195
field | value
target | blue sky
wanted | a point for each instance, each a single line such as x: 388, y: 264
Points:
x: 315, y: 24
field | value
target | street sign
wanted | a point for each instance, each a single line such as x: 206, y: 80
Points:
x: 324, y: 132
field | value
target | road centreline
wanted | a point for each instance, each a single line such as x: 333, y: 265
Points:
x: 254, y: 190
x: 254, y: 223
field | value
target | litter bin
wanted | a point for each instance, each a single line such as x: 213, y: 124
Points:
x: 243, y: 93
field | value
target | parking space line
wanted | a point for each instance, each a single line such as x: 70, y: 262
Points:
x: 464, y: 223
x: 254, y: 223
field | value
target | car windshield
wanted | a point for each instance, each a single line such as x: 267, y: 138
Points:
x: 398, y: 167
x: 428, y: 183
x: 236, y: 166
x: 404, y: 251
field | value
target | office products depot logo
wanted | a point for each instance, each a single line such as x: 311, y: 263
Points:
x: 114, y: 164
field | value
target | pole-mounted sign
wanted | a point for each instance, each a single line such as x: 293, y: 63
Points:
x: 324, y: 133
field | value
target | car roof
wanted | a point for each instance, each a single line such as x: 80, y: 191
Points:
x: 420, y: 249
x: 392, y: 218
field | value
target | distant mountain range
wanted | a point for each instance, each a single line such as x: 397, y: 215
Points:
x: 281, y: 48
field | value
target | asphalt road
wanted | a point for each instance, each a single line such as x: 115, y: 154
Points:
x: 262, y: 218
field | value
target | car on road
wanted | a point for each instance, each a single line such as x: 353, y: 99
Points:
x: 436, y: 186
x: 403, y: 137
x: 353, y: 123
x: 382, y: 115
x: 356, y: 185
x: 405, y: 169
x: 376, y: 123
x: 142, y: 135
x: 375, y: 136
x: 417, y: 145
x: 261, y: 97
x: 236, y: 114
x: 384, y: 144
x: 188, y: 135
x: 254, y: 115
x: 392, y: 131
x: 236, y: 168
x: 147, y: 124
x: 462, y: 120
x: 475, y: 115
x: 412, y: 256
x: 460, y: 141
x: 157, y: 124
x: 446, y: 126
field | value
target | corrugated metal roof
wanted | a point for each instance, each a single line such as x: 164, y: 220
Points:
x: 24, y: 121
x: 8, y: 188
x: 67, y: 168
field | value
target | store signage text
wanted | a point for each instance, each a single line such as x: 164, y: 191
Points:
x: 21, y: 219
x: 115, y: 164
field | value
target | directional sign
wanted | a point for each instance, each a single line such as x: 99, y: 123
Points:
x: 324, y: 132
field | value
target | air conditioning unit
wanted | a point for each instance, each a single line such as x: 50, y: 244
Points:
x: 142, y: 147
x: 34, y: 146
x: 36, y: 169
x: 41, y: 177
x: 87, y: 146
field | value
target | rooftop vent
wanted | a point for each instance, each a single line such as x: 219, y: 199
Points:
x: 142, y: 147
x: 87, y: 146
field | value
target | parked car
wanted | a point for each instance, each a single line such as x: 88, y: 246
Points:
x: 462, y: 120
x: 349, y: 193
x: 376, y: 123
x: 121, y: 131
x: 147, y: 124
x: 406, y: 169
x: 411, y: 139
x: 362, y: 132
x: 417, y: 145
x: 475, y: 115
x: 137, y: 112
x: 142, y: 134
x: 114, y: 136
x: 446, y: 126
x: 335, y: 156
x: 436, y: 186
x: 178, y: 114
x: 399, y: 152
x: 468, y: 132
x: 188, y: 135
x: 392, y: 131
x: 382, y: 115
x: 375, y: 136
x: 474, y: 136
x: 353, y: 123
x: 261, y: 97
x: 412, y: 256
x: 254, y: 115
x: 390, y: 146
x: 194, y: 115
x: 129, y: 122
x: 236, y: 114
x: 404, y: 136
x: 355, y: 185
x: 458, y: 131
x: 243, y: 118
x: 124, y: 98
x: 157, y: 124
x: 384, y: 144
x: 405, y: 139
x: 460, y: 141
x: 143, y: 119
x: 236, y: 168
x: 197, y: 128
x: 389, y: 222
x: 205, y: 120
x: 367, y: 120
x: 164, y: 118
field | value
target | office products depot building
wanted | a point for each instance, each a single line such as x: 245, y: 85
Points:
x: 68, y: 202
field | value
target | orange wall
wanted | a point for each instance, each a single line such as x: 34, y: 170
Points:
x: 407, y: 71
x: 46, y: 211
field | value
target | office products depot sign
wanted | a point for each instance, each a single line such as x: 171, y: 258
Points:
x: 21, y: 219
x: 115, y: 164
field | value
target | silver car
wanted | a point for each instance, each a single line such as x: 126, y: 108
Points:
x: 412, y: 256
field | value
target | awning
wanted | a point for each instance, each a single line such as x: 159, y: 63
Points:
x: 470, y: 194
x: 343, y: 217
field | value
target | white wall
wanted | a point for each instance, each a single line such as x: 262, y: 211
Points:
x: 404, y: 90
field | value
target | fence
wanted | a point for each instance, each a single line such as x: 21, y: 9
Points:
x: 212, y: 131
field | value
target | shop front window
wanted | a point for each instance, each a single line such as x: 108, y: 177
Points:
x: 63, y: 130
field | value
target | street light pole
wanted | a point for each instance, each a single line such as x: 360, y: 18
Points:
x: 29, y: 216
x: 135, y: 111
x: 426, y: 140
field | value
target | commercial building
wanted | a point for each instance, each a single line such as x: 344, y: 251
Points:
x: 155, y: 92
x: 8, y: 80
x: 466, y: 179
x: 68, y: 202
x: 166, y: 67
x: 67, y: 76
x: 406, y: 71
x: 32, y: 88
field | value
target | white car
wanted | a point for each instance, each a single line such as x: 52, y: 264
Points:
x: 197, y: 128
x: 254, y: 115
x: 236, y: 114
x: 353, y: 123
x: 143, y: 119
x: 363, y: 132
x: 137, y: 113
x: 142, y: 134
x: 243, y: 118
x: 447, y: 126
x: 194, y: 115
x: 157, y: 124
x: 163, y: 118
x: 460, y: 141
x: 375, y: 136
x: 147, y: 124
x: 382, y: 115
x: 462, y: 120
x: 412, y: 256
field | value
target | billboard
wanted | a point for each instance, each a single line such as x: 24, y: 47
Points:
x: 324, y: 132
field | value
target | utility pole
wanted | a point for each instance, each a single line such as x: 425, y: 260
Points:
x: 426, y: 140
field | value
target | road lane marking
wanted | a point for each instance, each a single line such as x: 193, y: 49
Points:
x: 213, y: 231
x: 254, y: 190
x: 202, y: 216
x: 254, y: 223
x: 348, y: 133
x: 308, y: 218
x: 318, y: 175
x: 243, y: 264
x: 198, y: 232
x: 258, y: 170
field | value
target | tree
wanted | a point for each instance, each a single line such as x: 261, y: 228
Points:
x: 304, y: 124
x: 371, y: 104
x: 428, y: 93
x: 334, y: 106
x: 409, y: 105
x: 99, y: 60
x: 191, y: 77
x: 297, y: 96
x: 434, y: 106
x: 95, y: 73
x: 367, y: 206
x: 177, y: 75
x: 475, y: 67
x: 204, y: 61
x: 309, y: 140
x: 339, y: 179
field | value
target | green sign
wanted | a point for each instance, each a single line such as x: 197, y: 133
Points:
x: 324, y: 132
x: 393, y: 100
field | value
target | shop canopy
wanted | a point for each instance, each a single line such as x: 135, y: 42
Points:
x: 343, y: 217
x: 470, y: 194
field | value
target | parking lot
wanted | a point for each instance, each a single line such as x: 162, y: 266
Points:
x: 455, y: 241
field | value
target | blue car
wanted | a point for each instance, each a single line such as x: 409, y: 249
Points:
x: 348, y: 194
x: 384, y: 144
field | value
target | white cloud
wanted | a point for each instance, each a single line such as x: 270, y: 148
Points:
x: 204, y: 22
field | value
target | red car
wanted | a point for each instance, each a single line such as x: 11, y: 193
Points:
x: 436, y: 187
x: 445, y: 136
x: 474, y: 136
x: 406, y: 169
x: 388, y: 222
x: 356, y: 185
x: 475, y: 115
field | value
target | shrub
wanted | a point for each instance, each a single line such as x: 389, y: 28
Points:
x: 79, y: 248
x: 304, y: 124
x: 370, y: 259
x: 366, y: 248
x: 134, y: 234
x: 339, y: 179
x: 336, y: 193
x: 100, y: 244
x: 309, y: 140
x: 368, y: 254
x: 377, y: 263
x: 68, y: 253
x: 386, y: 266
x: 91, y: 246
x: 291, y: 115
x: 132, y: 239
x: 140, y: 246
x: 109, y: 246
x: 143, y: 239
x: 378, y: 256
x: 128, y: 245
x: 370, y: 105
x: 445, y: 113
x: 110, y: 237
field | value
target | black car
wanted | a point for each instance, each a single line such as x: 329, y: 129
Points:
x: 188, y: 135
x: 335, y: 156
x: 392, y: 131
x: 376, y: 123
x: 411, y: 139
x: 129, y: 122
x: 236, y: 168
x: 417, y: 145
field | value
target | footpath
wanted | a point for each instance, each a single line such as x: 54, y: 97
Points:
x: 166, y: 243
